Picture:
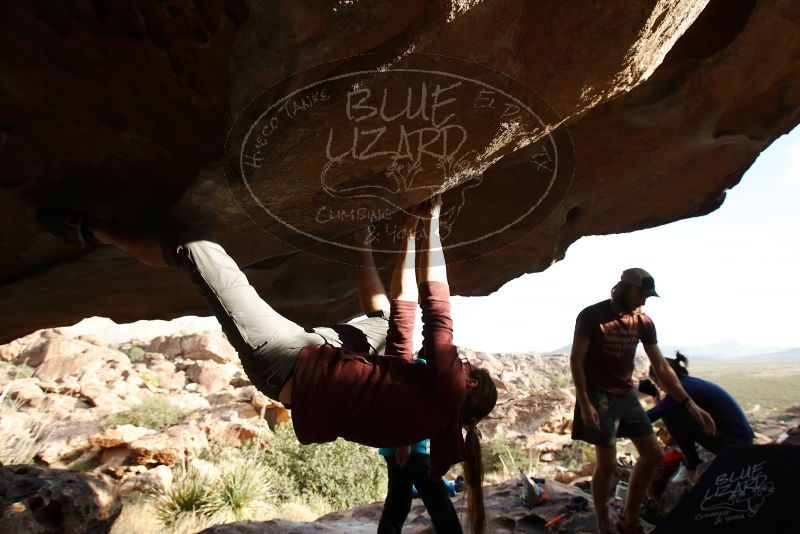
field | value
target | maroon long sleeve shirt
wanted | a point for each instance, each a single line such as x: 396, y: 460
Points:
x: 388, y: 401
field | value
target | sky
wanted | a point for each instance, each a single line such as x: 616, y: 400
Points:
x: 731, y: 275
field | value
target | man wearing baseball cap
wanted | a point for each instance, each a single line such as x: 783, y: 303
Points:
x: 607, y: 405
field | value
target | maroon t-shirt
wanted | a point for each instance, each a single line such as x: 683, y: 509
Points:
x: 613, y: 337
x: 388, y: 401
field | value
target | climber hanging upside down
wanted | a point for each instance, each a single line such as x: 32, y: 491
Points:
x: 331, y: 377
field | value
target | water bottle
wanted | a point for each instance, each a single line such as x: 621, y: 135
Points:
x: 620, y: 494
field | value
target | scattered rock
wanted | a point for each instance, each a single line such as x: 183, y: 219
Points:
x: 211, y: 376
x: 65, y: 359
x: 233, y: 423
x: 119, y: 435
x: 27, y: 391
x: 201, y: 346
x: 68, y: 441
x: 240, y: 380
x: 189, y: 402
x: 175, y: 444
x: 113, y: 457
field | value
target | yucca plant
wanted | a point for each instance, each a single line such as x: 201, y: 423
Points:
x: 240, y: 492
x: 188, y: 496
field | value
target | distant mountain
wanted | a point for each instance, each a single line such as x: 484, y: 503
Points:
x: 721, y: 350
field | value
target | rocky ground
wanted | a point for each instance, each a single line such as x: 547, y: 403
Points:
x: 68, y: 393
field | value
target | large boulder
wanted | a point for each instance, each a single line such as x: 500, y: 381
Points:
x: 137, y: 128
x: 37, y: 500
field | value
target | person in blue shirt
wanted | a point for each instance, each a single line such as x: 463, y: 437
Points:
x: 732, y: 427
x: 408, y: 468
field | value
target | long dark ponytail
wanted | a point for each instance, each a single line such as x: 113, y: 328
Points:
x: 479, y: 402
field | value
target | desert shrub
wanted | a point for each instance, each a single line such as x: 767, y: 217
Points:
x: 500, y: 457
x: 21, y: 438
x: 236, y: 489
x: 337, y: 475
x: 240, y: 491
x: 154, y: 412
x: 559, y: 382
x: 150, y: 378
x: 136, y: 353
x: 576, y: 455
x: 12, y: 371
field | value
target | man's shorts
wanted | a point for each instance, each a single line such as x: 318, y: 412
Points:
x: 621, y: 416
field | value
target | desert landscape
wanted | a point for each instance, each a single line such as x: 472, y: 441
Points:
x: 167, y: 435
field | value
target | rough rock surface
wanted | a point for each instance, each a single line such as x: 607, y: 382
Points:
x: 504, y: 514
x: 40, y: 500
x: 146, y: 93
x: 175, y: 444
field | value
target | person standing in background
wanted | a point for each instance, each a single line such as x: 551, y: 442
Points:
x: 607, y: 405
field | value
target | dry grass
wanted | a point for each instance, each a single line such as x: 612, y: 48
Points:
x: 22, y: 435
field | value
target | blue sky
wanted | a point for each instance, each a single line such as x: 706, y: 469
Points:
x: 731, y: 275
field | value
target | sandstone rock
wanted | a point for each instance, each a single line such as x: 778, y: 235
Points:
x: 175, y: 444
x: 68, y: 441
x: 11, y: 352
x: 240, y: 380
x: 118, y: 435
x: 233, y: 423
x: 169, y: 346
x: 707, y: 92
x: 221, y: 397
x: 98, y: 395
x: 40, y: 500
x: 274, y: 412
x: 565, y: 476
x: 50, y: 347
x: 518, y: 419
x: 195, y: 346
x: 208, y: 346
x: 211, y: 376
x: 151, y: 482
x: 234, y: 433
x: 72, y: 359
x: 68, y: 386
x: 188, y: 402
x: 27, y: 391
x: 108, y: 460
x: 62, y: 407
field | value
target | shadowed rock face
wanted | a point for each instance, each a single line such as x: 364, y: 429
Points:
x: 38, y: 499
x: 120, y: 110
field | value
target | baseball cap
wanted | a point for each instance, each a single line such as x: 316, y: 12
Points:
x: 640, y: 278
